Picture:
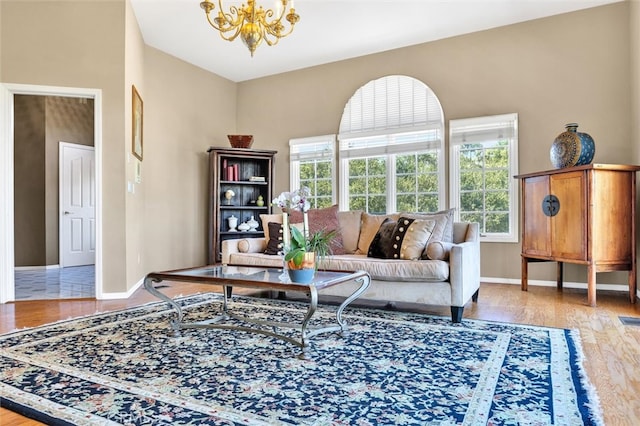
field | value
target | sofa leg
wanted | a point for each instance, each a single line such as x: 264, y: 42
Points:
x: 456, y: 313
x: 475, y: 295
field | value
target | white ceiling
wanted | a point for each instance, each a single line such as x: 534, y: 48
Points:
x: 330, y: 30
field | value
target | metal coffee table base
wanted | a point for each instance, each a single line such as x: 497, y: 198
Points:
x: 306, y: 331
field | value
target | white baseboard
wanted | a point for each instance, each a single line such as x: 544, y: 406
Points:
x: 541, y: 283
x: 36, y: 268
x: 120, y: 295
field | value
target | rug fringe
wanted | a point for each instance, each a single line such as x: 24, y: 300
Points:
x: 594, y: 405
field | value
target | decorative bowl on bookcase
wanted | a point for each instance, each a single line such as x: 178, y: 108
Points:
x: 240, y: 141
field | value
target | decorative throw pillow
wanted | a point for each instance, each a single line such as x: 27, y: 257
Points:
x: 443, y: 231
x: 265, y: 219
x: 381, y: 245
x: 243, y: 246
x: 415, y: 239
x: 439, y: 250
x: 325, y: 219
x: 275, y: 245
x: 399, y: 233
x: 369, y: 226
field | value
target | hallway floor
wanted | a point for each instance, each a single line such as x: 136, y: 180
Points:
x: 60, y: 283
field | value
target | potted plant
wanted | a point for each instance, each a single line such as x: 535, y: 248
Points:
x: 318, y: 243
x: 303, y: 252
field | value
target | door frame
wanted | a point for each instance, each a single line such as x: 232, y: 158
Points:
x: 7, y: 255
x: 62, y: 254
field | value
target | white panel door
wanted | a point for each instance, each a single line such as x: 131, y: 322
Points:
x: 77, y: 205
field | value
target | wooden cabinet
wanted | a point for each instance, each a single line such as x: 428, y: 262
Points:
x: 583, y: 215
x: 248, y: 173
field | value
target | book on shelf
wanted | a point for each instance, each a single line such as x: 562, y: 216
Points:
x: 257, y: 179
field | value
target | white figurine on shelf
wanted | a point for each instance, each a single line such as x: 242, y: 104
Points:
x: 253, y: 224
x: 229, y: 195
x: 233, y: 222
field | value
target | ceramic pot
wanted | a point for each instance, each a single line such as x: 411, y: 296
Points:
x: 304, y: 272
x: 260, y: 201
x: 233, y: 222
x: 253, y: 224
x: 301, y: 276
x: 572, y: 148
x: 243, y: 227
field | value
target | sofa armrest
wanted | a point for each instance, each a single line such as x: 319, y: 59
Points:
x: 464, y: 271
x: 242, y: 245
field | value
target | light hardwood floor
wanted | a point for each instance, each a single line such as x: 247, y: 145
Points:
x: 612, y: 350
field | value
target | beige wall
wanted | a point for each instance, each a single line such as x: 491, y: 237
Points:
x: 135, y: 201
x: 187, y: 110
x: 572, y: 67
x: 79, y: 44
x: 634, y: 17
x: 29, y: 181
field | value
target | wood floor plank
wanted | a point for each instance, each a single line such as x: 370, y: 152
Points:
x: 612, y: 350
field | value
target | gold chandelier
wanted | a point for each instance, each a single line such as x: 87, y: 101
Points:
x: 252, y: 24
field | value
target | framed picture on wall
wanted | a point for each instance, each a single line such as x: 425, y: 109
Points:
x: 136, y: 124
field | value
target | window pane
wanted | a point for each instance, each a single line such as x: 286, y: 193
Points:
x: 471, y: 201
x: 497, y: 179
x: 406, y: 203
x: 324, y: 188
x: 497, y: 201
x: 427, y: 203
x: 497, y: 222
x: 377, y: 166
x: 406, y: 184
x: 428, y: 183
x: 470, y: 181
x: 377, y: 205
x: 357, y: 186
x: 428, y: 162
x: 357, y: 203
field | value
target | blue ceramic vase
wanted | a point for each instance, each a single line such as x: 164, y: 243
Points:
x: 572, y: 148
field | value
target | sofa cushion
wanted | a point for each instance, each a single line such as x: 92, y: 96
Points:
x: 391, y: 269
x: 380, y: 269
x: 443, y: 230
x: 325, y: 219
x: 350, y: 229
x: 381, y: 246
x: 415, y: 238
x: 369, y: 225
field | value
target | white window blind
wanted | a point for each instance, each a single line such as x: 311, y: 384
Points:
x: 392, y: 102
x: 312, y: 148
x: 483, y: 129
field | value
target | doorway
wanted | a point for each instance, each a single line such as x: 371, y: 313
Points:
x: 7, y: 231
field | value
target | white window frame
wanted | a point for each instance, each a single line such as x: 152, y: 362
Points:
x: 312, y: 148
x: 482, y: 130
x: 390, y: 151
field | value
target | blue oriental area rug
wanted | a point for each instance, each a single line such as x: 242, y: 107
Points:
x: 390, y: 368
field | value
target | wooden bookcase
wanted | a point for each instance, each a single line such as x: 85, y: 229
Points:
x: 583, y: 215
x: 224, y: 165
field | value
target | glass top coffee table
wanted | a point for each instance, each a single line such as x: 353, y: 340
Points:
x: 229, y: 276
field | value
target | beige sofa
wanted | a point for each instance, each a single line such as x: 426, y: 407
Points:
x: 452, y: 281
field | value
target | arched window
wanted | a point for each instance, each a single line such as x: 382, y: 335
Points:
x: 391, y: 148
